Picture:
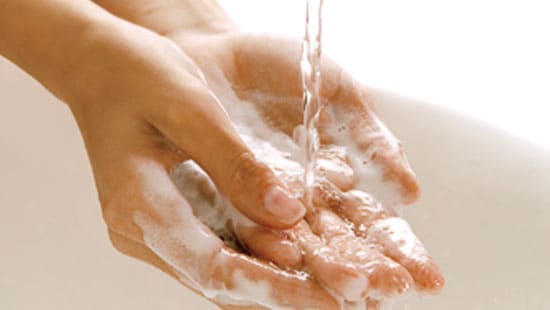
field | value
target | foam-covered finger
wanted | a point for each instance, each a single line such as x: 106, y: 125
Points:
x: 327, y: 195
x: 328, y: 225
x: 362, y: 210
x: 396, y: 239
x: 332, y: 163
x: 238, y: 277
x: 385, y: 277
x: 271, y: 245
x: 375, y: 153
x: 359, y: 207
x: 393, y: 236
x: 328, y: 267
x: 381, y: 152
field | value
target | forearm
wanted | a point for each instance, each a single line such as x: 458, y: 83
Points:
x: 45, y: 37
x: 172, y: 17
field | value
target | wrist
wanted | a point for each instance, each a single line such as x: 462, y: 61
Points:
x: 44, y: 38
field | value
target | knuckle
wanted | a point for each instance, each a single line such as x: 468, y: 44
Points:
x: 184, y: 105
x: 111, y: 213
x: 116, y: 206
x: 114, y: 238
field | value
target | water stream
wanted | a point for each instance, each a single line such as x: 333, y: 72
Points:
x: 310, y: 65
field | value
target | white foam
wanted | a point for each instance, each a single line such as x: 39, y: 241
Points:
x: 188, y: 177
x: 209, y: 205
x: 261, y: 290
x: 183, y: 248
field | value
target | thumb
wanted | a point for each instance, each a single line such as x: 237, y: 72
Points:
x: 197, y: 123
x: 255, y: 190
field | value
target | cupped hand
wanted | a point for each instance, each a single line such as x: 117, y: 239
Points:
x: 353, y: 240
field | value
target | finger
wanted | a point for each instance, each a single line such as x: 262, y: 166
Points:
x: 357, y: 206
x: 374, y: 152
x: 348, y: 120
x: 216, y: 213
x: 361, y: 209
x: 271, y: 245
x: 332, y: 163
x: 328, y: 267
x: 398, y: 241
x: 196, y: 122
x: 394, y: 236
x: 249, y: 279
x: 385, y: 277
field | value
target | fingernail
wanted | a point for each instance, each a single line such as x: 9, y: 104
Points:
x: 288, y: 210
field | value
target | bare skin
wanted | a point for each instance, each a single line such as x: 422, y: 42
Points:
x: 143, y: 107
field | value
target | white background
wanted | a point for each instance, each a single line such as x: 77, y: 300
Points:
x: 488, y: 59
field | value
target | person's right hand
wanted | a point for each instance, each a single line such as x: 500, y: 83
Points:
x: 143, y: 107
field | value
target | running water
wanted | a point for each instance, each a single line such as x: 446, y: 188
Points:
x: 311, y: 82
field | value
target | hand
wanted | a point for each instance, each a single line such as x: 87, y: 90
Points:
x: 143, y: 107
x: 264, y: 70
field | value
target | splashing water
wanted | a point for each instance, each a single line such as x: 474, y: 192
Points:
x: 311, y: 82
